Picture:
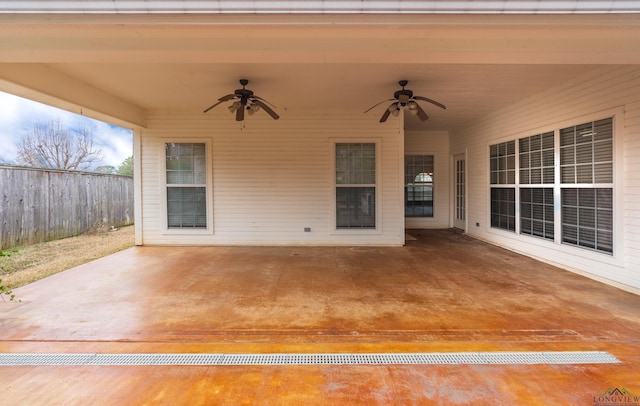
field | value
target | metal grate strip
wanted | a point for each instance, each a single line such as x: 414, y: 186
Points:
x: 452, y: 358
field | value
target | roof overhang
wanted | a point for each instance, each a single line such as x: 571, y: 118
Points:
x: 121, y: 65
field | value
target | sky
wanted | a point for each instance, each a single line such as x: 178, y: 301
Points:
x: 19, y: 115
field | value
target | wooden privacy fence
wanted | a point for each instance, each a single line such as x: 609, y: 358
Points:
x: 47, y: 204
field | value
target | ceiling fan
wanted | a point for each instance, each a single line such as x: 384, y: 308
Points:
x: 404, y: 99
x: 244, y: 99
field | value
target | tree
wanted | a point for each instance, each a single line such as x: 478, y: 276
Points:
x: 50, y: 145
x: 126, y: 167
x: 106, y: 169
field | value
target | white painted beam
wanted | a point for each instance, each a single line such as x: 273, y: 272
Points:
x: 465, y: 41
x: 40, y: 83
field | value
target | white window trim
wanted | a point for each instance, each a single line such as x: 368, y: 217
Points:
x: 355, y: 231
x: 616, y: 258
x: 452, y: 190
x: 435, y: 185
x: 209, y: 187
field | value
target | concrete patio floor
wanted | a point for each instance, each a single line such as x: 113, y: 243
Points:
x: 443, y: 292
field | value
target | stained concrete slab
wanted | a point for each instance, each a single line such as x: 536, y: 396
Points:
x: 442, y: 292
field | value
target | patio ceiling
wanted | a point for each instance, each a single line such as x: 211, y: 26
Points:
x: 120, y: 66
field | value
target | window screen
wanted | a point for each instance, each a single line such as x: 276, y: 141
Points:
x: 355, y: 185
x: 186, y: 185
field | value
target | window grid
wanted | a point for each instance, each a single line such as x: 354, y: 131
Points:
x: 503, y: 213
x: 587, y: 218
x: 586, y: 159
x: 536, y: 159
x: 503, y: 163
x: 584, y: 186
x: 537, y: 212
x: 418, y: 183
x: 460, y: 192
x: 586, y: 153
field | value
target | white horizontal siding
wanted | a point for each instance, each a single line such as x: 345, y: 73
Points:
x: 434, y: 143
x: 607, y: 89
x: 271, y: 179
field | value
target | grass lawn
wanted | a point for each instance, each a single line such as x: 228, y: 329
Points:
x: 23, y: 265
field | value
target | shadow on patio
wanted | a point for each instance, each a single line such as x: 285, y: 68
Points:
x: 442, y: 292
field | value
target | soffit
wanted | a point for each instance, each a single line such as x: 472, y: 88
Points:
x: 469, y: 91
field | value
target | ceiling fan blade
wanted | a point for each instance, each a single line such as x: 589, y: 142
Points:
x: 265, y: 101
x: 240, y: 113
x: 212, y: 106
x: 442, y: 106
x: 221, y: 100
x: 421, y: 113
x: 227, y: 97
x: 385, y: 116
x: 266, y: 108
x: 376, y: 105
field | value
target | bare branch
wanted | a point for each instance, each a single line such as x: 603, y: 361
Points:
x: 50, y: 145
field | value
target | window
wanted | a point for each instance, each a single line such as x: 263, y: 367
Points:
x: 587, y: 218
x: 582, y: 156
x: 460, y: 190
x: 186, y: 182
x: 536, y: 167
x: 503, y: 208
x: 503, y: 172
x: 503, y: 163
x: 418, y: 185
x: 586, y: 153
x: 537, y: 213
x: 356, y: 186
x: 537, y: 159
x: 586, y: 164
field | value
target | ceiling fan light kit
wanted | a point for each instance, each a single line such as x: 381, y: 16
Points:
x: 404, y: 99
x: 245, y: 100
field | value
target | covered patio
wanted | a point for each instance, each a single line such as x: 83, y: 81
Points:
x: 441, y: 293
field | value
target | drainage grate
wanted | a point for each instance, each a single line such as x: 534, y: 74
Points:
x: 438, y: 358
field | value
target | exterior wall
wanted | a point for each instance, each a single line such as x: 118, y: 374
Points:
x: 597, y: 95
x: 434, y: 143
x: 271, y: 179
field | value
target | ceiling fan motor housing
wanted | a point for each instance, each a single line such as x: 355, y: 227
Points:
x: 403, y: 95
x: 244, y: 95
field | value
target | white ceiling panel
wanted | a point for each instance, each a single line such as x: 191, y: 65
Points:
x: 468, y: 91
